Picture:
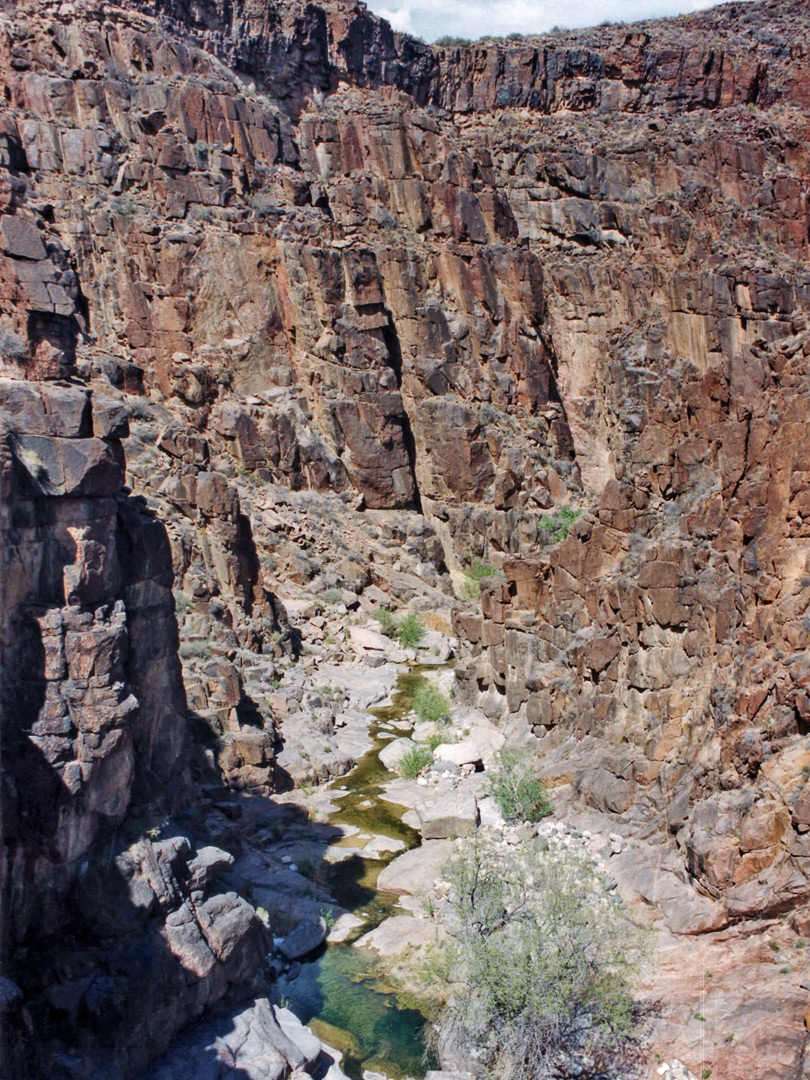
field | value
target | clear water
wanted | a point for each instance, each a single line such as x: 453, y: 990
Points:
x: 338, y: 993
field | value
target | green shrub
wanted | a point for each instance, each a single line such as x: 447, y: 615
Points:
x: 386, y: 620
x: 413, y: 761
x: 411, y: 630
x: 441, y: 737
x: 328, y: 917
x: 556, y: 527
x: 429, y: 703
x: 448, y: 41
x: 517, y: 791
x: 473, y: 576
x: 538, y: 961
x: 182, y: 603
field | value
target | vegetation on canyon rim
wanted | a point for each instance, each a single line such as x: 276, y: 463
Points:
x: 539, y: 961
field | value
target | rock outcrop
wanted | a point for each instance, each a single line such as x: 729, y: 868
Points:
x: 95, y: 748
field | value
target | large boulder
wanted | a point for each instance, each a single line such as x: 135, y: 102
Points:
x: 477, y: 748
x: 304, y: 939
x: 392, y: 754
x: 417, y: 870
x: 450, y: 815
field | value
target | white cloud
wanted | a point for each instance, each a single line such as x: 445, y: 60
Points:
x: 400, y: 18
x: 474, y: 18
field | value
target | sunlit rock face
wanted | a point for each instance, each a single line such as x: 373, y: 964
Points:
x: 481, y: 284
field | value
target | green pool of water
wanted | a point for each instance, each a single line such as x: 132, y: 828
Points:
x: 338, y: 992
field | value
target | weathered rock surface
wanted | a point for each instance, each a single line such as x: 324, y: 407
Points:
x: 299, y: 275
x: 448, y: 815
x: 399, y: 933
x: 392, y: 753
x: 416, y: 871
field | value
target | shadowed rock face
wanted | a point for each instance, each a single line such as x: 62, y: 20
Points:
x: 93, y: 728
x: 91, y: 682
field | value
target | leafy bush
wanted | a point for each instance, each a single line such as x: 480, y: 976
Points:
x: 517, y: 791
x: 473, y: 576
x: 410, y: 631
x: 386, y: 620
x: 538, y: 962
x: 413, y: 761
x: 200, y: 649
x: 429, y: 703
x: 557, y: 526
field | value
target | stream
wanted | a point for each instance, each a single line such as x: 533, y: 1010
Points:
x: 338, y: 993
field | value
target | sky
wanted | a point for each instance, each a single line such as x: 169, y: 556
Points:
x: 430, y: 19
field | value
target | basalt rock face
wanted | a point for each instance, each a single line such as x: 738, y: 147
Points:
x: 94, y: 728
x: 301, y: 253
x: 93, y: 702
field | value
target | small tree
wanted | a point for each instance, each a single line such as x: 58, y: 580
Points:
x: 520, y: 795
x: 539, y: 962
x: 411, y: 630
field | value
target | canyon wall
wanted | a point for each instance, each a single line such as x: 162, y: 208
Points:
x: 251, y: 249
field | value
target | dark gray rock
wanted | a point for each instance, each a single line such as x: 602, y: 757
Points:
x: 305, y: 938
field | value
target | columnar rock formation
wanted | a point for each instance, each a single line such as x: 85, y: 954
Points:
x: 259, y: 247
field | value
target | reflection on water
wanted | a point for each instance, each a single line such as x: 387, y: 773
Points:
x: 337, y: 992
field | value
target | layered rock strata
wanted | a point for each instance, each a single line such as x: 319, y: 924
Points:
x: 304, y: 254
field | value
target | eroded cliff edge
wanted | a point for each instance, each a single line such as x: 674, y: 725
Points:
x: 477, y: 284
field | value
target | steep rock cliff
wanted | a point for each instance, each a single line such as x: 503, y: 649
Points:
x: 304, y: 252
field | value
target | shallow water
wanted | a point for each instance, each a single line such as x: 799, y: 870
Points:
x: 337, y: 993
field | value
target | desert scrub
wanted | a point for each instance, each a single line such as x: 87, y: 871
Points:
x: 556, y: 527
x: 442, y: 736
x: 388, y: 624
x: 517, y: 791
x: 410, y: 630
x: 538, y: 960
x: 436, y: 621
x: 429, y: 703
x: 470, y: 588
x: 200, y: 650
x: 413, y: 761
x: 182, y: 603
